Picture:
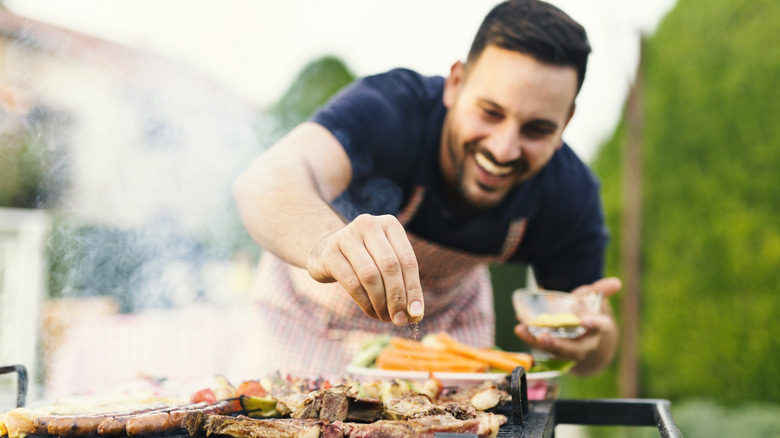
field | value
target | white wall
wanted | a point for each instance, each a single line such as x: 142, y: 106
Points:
x: 23, y: 235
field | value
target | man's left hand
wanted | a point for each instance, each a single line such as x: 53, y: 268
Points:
x: 595, y: 349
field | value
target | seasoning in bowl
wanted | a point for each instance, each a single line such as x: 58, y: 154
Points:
x: 554, y: 312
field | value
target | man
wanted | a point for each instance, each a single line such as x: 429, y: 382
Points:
x: 390, y: 202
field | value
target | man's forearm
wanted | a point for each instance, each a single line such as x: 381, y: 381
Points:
x: 281, y: 209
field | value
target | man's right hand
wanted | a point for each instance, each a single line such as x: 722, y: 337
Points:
x: 372, y: 258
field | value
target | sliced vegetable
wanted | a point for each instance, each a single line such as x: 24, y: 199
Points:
x: 204, y: 395
x: 223, y: 389
x: 259, y: 407
x: 523, y: 359
x: 251, y: 388
x: 369, y: 350
x: 495, y: 358
x: 562, y: 366
x: 427, y: 360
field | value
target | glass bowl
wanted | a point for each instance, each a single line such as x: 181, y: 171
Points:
x: 554, y: 312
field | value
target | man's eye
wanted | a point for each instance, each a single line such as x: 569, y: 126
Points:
x: 491, y: 113
x: 536, y: 131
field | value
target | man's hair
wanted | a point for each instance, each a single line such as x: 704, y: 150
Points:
x: 537, y: 29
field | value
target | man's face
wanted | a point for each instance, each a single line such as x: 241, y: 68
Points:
x: 506, y: 115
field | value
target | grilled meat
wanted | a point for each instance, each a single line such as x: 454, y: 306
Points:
x: 485, y: 425
x: 245, y: 427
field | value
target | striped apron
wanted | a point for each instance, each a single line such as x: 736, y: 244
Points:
x: 311, y: 329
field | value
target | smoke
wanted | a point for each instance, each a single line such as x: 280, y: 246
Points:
x: 134, y: 157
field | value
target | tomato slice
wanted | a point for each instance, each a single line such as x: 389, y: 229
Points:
x: 204, y: 395
x: 251, y: 388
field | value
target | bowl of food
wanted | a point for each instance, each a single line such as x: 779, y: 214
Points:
x: 557, y: 313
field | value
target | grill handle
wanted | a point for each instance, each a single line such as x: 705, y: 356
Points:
x: 518, y: 389
x: 618, y: 412
x: 21, y: 388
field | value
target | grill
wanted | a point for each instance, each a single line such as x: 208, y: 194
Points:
x: 528, y: 418
x: 538, y: 418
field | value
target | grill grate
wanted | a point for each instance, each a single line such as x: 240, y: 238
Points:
x: 526, y: 419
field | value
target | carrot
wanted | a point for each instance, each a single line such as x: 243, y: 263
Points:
x: 495, y: 358
x: 524, y: 360
x: 390, y: 362
x: 407, y: 344
x: 427, y: 360
x: 432, y: 354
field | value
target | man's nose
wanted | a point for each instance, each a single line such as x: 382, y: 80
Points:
x: 504, y: 144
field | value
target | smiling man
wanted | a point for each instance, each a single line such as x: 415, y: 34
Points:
x: 387, y: 206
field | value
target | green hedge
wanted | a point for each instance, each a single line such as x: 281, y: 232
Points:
x: 711, y: 203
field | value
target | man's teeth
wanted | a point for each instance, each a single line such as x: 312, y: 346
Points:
x: 492, y: 167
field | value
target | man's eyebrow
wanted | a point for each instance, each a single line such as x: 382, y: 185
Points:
x: 545, y: 122
x: 489, y: 102
x: 538, y: 122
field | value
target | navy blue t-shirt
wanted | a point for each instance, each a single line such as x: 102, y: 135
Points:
x: 390, y: 126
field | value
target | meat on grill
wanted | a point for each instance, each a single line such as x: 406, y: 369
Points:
x: 336, y: 403
x: 163, y: 423
x: 410, y: 406
x: 245, y: 427
x: 484, y: 425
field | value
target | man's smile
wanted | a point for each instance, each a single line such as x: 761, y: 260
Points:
x: 491, y: 167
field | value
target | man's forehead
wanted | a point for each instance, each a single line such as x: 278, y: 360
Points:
x: 493, y: 56
x: 498, y: 74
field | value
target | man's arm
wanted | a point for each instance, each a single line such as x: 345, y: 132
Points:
x: 283, y: 197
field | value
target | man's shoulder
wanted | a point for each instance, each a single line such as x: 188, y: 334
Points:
x: 566, y: 171
x: 404, y: 80
x: 567, y: 186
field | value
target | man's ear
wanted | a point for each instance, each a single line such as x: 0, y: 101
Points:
x: 571, y: 113
x: 568, y: 119
x: 453, y: 84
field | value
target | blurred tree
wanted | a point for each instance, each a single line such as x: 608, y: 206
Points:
x: 711, y: 205
x: 32, y: 163
x: 313, y: 86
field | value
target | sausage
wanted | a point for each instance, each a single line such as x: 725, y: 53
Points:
x: 76, y: 426
x: 151, y: 424
x: 224, y: 407
x: 42, y: 424
x: 84, y: 425
x: 117, y: 425
x: 167, y: 422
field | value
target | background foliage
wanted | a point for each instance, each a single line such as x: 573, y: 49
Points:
x: 314, y: 85
x: 711, y: 216
x: 31, y: 158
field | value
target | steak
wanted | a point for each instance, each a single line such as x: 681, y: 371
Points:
x: 484, y: 425
x: 245, y: 427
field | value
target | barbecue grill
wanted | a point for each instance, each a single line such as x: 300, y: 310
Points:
x: 528, y: 418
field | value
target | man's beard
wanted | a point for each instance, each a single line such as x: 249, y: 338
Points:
x: 466, y: 205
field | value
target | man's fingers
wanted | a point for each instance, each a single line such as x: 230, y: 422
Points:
x: 368, y: 278
x: 331, y: 262
x: 373, y: 259
x: 344, y: 273
x: 607, y: 286
x: 413, y: 304
x: 382, y: 242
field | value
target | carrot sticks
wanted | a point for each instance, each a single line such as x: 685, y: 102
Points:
x: 497, y: 359
x: 448, y: 355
